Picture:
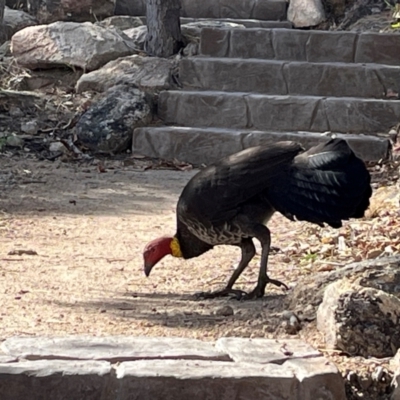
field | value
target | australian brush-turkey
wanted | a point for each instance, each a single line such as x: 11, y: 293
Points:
x: 230, y: 202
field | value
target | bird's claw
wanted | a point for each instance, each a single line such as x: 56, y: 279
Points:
x: 277, y: 283
x: 240, y: 295
x: 259, y: 290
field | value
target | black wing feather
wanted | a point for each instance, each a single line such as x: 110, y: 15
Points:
x: 215, y: 193
x: 326, y: 184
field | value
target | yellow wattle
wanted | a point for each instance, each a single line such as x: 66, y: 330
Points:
x: 175, y: 248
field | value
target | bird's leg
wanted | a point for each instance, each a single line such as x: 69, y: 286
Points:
x: 263, y: 234
x: 248, y: 252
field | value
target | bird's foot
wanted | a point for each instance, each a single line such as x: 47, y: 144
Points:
x: 233, y: 293
x: 259, y: 290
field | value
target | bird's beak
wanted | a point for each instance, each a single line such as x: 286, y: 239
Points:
x: 148, y: 266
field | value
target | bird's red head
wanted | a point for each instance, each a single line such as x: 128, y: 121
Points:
x: 156, y: 250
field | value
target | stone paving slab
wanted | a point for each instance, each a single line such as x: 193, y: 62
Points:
x: 54, y: 379
x: 242, y: 9
x: 293, y: 78
x: 258, y: 351
x: 207, y: 145
x: 7, y: 359
x: 168, y: 379
x: 237, y: 110
x: 172, y: 380
x: 113, y: 349
x: 296, y: 45
x: 318, y: 379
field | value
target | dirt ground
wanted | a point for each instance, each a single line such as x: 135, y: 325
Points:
x: 88, y: 230
x: 71, y: 258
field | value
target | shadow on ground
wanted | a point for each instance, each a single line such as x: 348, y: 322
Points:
x: 31, y: 186
x: 182, y: 310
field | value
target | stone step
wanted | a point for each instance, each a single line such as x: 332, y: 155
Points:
x: 297, y: 45
x: 237, y: 110
x: 207, y: 145
x: 289, y: 77
x: 248, y: 23
x: 274, y: 10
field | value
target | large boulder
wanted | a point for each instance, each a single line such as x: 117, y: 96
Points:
x: 360, y: 321
x: 108, y: 124
x: 395, y: 363
x: 382, y: 273
x: 82, y: 45
x: 305, y: 13
x: 150, y: 74
x: 138, y: 36
x: 121, y: 22
x: 16, y: 20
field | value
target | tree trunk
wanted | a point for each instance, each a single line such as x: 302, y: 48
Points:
x: 2, y: 5
x: 4, y: 30
x: 164, y: 36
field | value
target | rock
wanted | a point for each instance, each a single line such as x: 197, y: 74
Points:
x: 5, y: 49
x: 15, y: 112
x: 57, y: 147
x: 47, y: 11
x: 14, y: 141
x: 382, y: 274
x: 395, y: 363
x: 149, y: 74
x: 30, y: 127
x: 111, y: 348
x: 291, y: 323
x: 305, y: 13
x: 191, y: 49
x: 17, y: 19
x: 85, y: 45
x: 108, y: 124
x: 63, y: 78
x: 138, y: 36
x: 29, y: 102
x: 225, y: 311
x: 121, y: 22
x: 360, y: 321
x: 384, y: 198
